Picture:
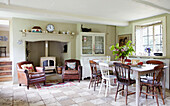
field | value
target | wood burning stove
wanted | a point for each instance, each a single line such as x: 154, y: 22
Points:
x: 49, y: 63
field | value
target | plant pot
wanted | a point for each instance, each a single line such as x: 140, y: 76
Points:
x: 59, y: 69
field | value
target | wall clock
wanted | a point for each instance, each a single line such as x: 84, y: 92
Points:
x: 50, y: 28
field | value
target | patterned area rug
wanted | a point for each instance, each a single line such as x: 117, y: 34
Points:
x: 53, y: 84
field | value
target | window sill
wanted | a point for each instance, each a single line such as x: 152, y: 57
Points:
x: 153, y: 57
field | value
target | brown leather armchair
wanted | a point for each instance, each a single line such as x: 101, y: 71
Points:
x: 27, y: 78
x: 75, y: 73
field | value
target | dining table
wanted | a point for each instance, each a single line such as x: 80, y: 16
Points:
x: 137, y: 72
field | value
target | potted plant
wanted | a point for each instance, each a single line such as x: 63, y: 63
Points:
x: 122, y: 51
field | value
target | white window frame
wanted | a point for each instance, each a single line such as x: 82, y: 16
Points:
x: 149, y: 21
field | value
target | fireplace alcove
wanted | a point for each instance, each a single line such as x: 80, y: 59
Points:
x: 47, y: 53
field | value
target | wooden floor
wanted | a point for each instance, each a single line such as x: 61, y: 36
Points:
x: 5, y: 69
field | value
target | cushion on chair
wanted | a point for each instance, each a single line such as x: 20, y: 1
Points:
x: 71, y: 72
x: 71, y: 65
x: 28, y: 67
x: 32, y: 76
x: 146, y: 82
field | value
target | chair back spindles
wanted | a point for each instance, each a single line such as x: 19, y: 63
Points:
x: 122, y: 72
x: 158, y: 72
x: 93, y: 66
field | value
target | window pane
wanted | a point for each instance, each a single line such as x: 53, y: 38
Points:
x: 158, y: 48
x: 158, y: 39
x: 157, y: 29
x: 150, y: 30
x: 144, y: 31
x: 150, y: 40
x: 145, y: 41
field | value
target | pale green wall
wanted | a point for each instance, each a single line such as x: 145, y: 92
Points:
x: 18, y: 51
x: 129, y: 30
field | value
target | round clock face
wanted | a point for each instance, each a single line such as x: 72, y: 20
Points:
x: 50, y: 28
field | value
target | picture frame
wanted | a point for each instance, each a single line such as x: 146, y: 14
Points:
x: 3, y: 38
x: 123, y: 39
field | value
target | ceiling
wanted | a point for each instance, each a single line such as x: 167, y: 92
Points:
x: 109, y: 12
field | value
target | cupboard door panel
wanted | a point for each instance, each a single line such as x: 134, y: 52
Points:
x: 87, y: 46
x: 99, y: 45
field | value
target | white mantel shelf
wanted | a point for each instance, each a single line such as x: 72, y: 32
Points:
x: 24, y: 34
x: 33, y: 36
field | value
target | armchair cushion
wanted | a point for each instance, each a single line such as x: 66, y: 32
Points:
x: 71, y: 65
x: 71, y: 72
x: 28, y: 67
x: 36, y: 75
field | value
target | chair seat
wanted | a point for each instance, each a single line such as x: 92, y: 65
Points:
x: 110, y: 77
x: 149, y: 82
x: 125, y: 82
x: 146, y: 78
x: 71, y: 72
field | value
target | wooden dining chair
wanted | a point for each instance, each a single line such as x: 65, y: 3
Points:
x: 150, y: 75
x: 153, y: 84
x: 123, y: 78
x: 95, y: 74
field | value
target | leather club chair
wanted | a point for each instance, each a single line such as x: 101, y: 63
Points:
x: 75, y: 73
x: 27, y: 78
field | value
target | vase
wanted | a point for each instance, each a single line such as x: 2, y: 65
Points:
x: 148, y: 53
x: 122, y: 58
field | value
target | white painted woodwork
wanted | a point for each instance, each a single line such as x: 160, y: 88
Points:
x: 46, y: 48
x: 86, y: 71
x: 93, y: 35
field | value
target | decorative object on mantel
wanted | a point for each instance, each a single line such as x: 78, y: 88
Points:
x: 73, y: 33
x: 66, y: 32
x: 36, y: 29
x: 50, y: 28
x: 122, y: 51
x: 85, y: 29
x: 148, y: 50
